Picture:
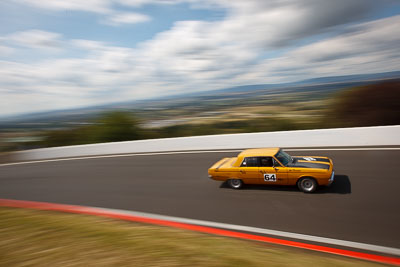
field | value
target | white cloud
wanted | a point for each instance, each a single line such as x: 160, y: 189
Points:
x: 88, y: 44
x: 138, y: 3
x: 35, y: 39
x: 377, y: 36
x: 105, y: 7
x: 127, y: 18
x: 368, y: 48
x: 97, y: 6
x: 215, y: 52
x: 202, y: 55
x: 6, y: 50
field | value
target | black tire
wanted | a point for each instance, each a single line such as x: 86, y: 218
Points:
x: 235, y: 183
x: 307, y: 184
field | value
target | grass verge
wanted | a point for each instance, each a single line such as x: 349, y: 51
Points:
x: 44, y: 238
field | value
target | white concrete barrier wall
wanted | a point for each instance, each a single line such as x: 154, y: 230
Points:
x: 342, y: 137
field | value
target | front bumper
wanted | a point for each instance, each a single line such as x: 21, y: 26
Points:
x: 330, y: 181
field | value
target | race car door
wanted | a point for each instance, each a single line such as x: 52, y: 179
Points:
x: 270, y: 174
x: 248, y: 170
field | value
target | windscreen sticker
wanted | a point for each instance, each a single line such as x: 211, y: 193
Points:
x: 270, y: 177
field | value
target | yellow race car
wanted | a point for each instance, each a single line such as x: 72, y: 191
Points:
x: 273, y: 166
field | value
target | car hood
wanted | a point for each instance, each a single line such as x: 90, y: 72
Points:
x: 310, y: 162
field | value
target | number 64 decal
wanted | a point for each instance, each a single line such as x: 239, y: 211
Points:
x: 269, y: 177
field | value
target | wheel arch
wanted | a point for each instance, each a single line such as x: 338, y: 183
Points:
x: 306, y: 176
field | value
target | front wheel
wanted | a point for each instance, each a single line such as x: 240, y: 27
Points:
x: 235, y: 183
x: 307, y: 184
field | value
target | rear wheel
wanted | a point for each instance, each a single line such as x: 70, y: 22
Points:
x: 307, y: 184
x: 235, y: 183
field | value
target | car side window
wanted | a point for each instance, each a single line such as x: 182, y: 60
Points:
x: 276, y: 163
x: 266, y: 162
x: 250, y: 162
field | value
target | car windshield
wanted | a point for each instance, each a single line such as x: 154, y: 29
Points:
x: 284, y: 157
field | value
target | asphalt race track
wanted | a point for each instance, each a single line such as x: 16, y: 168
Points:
x: 362, y: 205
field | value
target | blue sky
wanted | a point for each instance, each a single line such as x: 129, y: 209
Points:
x: 85, y: 25
x: 57, y: 54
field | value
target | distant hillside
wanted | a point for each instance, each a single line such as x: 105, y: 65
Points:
x: 353, y: 78
x: 326, y: 84
x: 292, y: 108
x: 368, y: 105
x: 346, y: 80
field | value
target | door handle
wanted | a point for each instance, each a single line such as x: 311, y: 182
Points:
x: 241, y: 171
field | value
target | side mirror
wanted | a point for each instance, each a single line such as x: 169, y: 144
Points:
x: 276, y: 165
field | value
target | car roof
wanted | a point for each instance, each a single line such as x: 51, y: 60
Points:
x: 259, y: 152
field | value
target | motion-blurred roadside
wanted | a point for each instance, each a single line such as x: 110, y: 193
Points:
x: 246, y: 110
